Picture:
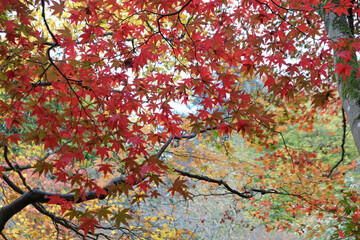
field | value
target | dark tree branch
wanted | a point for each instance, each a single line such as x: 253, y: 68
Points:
x: 15, y: 168
x: 245, y: 194
x: 16, y: 206
x: 183, y: 136
x: 12, y: 184
x: 36, y: 196
x: 20, y: 168
x: 342, y: 144
x: 163, y: 148
x: 1, y: 234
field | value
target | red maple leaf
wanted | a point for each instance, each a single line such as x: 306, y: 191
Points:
x: 56, y: 199
x: 144, y: 56
x: 343, y: 70
x: 88, y: 225
x: 105, y: 167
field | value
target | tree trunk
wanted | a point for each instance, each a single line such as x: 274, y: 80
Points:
x: 336, y: 29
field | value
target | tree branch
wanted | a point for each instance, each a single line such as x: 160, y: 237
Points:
x: 183, y: 136
x: 16, y: 206
x: 342, y: 144
x: 35, y: 196
x: 20, y: 168
x: 245, y: 194
x: 12, y: 184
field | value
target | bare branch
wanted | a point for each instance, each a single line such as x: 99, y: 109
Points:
x: 245, y: 194
x: 342, y: 144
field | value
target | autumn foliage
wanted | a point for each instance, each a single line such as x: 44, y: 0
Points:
x: 105, y: 104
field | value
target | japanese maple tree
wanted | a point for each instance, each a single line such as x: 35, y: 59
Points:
x: 97, y: 83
